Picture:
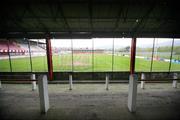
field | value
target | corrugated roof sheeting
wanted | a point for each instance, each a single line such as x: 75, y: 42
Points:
x: 95, y: 18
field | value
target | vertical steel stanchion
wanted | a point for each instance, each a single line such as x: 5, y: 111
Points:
x: 0, y: 84
x: 152, y: 56
x: 107, y: 82
x: 142, y: 82
x: 172, y: 47
x: 113, y: 59
x: 33, y: 77
x: 30, y: 54
x: 175, y: 76
x: 70, y: 76
x: 43, y: 93
x: 70, y: 82
x: 72, y: 55
x: 132, y: 92
x: 10, y: 62
x: 92, y: 59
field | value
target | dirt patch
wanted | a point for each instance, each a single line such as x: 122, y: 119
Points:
x: 76, y: 63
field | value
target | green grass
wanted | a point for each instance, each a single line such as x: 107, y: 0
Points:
x: 164, y: 55
x: 84, y: 63
x: 39, y: 64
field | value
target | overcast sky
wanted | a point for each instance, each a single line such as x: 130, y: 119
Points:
x: 106, y: 42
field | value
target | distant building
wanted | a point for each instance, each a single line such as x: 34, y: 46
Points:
x: 88, y: 51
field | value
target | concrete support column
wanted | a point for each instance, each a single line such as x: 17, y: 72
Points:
x: 132, y: 92
x: 175, y: 76
x: 43, y: 93
x: 33, y: 77
x: 132, y: 79
x: 70, y: 82
x: 107, y: 82
x: 143, y: 82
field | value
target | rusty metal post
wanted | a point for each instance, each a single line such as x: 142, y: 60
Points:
x: 49, y: 58
x: 133, y: 55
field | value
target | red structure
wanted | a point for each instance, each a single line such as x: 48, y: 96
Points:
x: 11, y: 47
x: 133, y: 55
x: 49, y: 58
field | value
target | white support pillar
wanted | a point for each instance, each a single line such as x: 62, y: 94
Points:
x: 143, y: 82
x: 175, y: 76
x: 107, y: 82
x: 0, y: 84
x: 70, y: 82
x: 132, y: 93
x: 33, y: 77
x: 43, y: 93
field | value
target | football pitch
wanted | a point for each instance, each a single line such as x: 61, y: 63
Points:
x: 84, y: 63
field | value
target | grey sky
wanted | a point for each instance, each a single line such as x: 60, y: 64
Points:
x: 106, y: 42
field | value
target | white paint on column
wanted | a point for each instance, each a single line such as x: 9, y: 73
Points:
x: 107, y: 82
x: 142, y: 82
x: 70, y: 82
x: 33, y: 77
x: 34, y: 86
x: 175, y: 76
x: 132, y: 93
x: 0, y: 84
x: 43, y: 93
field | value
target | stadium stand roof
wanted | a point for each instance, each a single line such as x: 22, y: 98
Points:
x: 89, y: 18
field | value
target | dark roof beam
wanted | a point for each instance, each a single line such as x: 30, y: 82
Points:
x: 125, y: 15
x: 53, y: 14
x: 13, y: 18
x: 19, y: 25
x: 162, y: 21
x: 107, y: 18
x: 118, y: 18
x: 90, y: 15
x: 143, y: 19
x: 37, y: 18
x: 60, y: 10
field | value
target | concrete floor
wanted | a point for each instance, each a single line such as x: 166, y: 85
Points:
x: 90, y: 102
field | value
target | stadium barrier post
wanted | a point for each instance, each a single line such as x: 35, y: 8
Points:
x: 132, y: 93
x: 175, y: 76
x: 107, y: 82
x: 33, y: 77
x: 0, y: 84
x: 43, y: 93
x: 70, y: 82
x: 142, y: 82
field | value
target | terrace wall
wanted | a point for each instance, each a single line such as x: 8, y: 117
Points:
x: 89, y: 76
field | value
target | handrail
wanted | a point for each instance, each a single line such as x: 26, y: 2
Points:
x: 14, y: 75
x: 160, y: 79
x: 21, y: 80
